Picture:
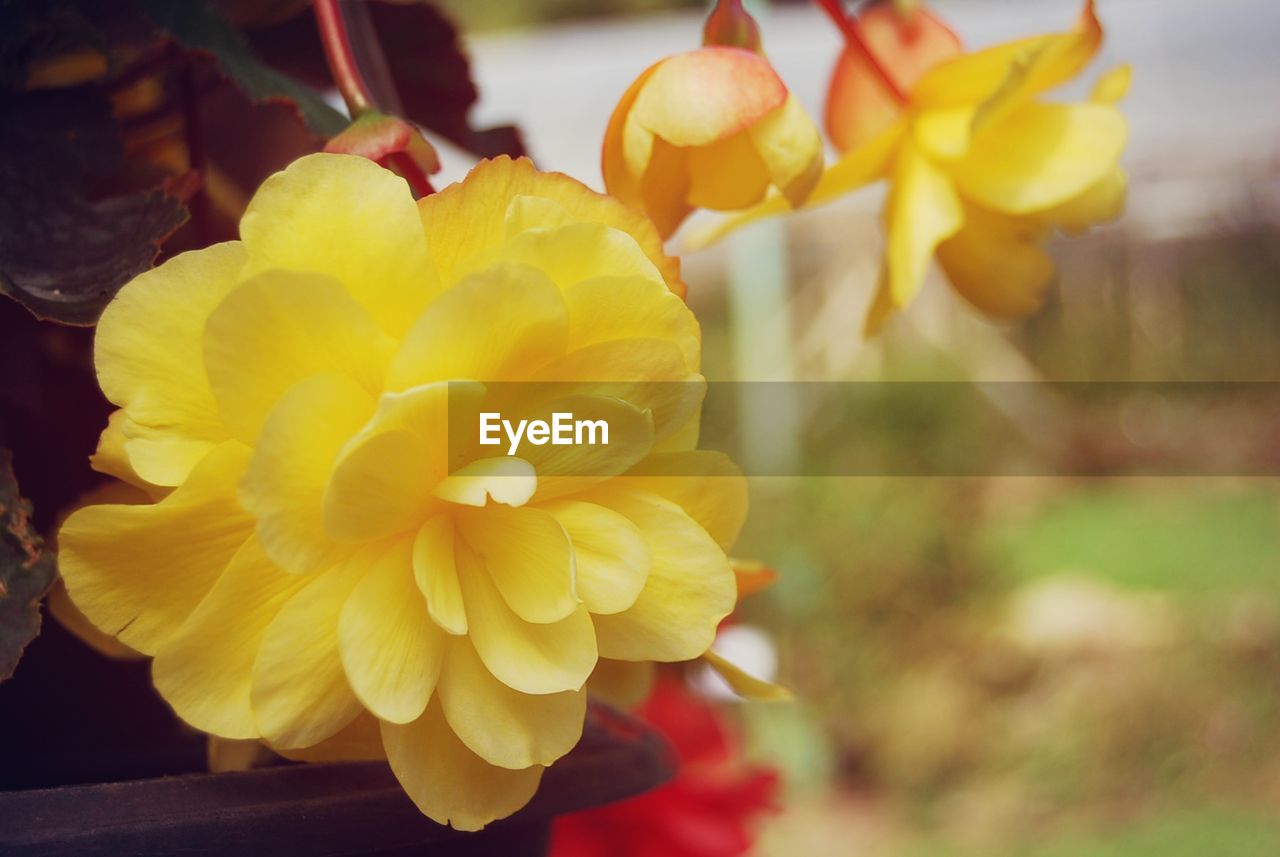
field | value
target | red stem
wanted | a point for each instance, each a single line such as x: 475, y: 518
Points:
x: 853, y: 37
x: 407, y: 167
x: 341, y: 57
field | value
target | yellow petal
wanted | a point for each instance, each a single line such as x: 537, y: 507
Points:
x: 690, y: 587
x: 605, y: 308
x: 472, y: 216
x: 699, y: 97
x: 566, y: 468
x: 391, y: 650
x: 528, y: 557
x: 121, y: 563
x: 997, y: 263
x: 649, y: 374
x: 624, y: 684
x: 503, y: 726
x: 1102, y: 202
x: 727, y: 174
x: 359, y: 741
x: 112, y: 458
x: 664, y: 187
x: 791, y: 148
x: 1113, y: 86
x: 436, y: 572
x: 744, y: 684
x: 569, y: 254
x: 526, y: 657
x: 205, y: 670
x: 279, y: 328
x: 622, y: 173
x: 1046, y: 61
x: 507, y: 480
x: 285, y: 483
x: 347, y: 217
x: 488, y: 327
x: 856, y: 168
x: 446, y: 781
x: 1041, y: 155
x: 610, y: 558
x: 148, y: 355
x: 922, y: 211
x: 707, y: 485
x: 300, y: 694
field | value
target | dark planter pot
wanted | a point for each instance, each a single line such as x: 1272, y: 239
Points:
x: 352, y: 808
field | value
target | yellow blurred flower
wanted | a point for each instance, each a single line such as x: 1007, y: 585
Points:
x: 321, y: 569
x: 712, y: 128
x: 981, y: 170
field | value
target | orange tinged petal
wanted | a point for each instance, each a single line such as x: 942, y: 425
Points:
x: 906, y: 45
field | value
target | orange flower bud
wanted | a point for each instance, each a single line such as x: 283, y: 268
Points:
x: 713, y: 128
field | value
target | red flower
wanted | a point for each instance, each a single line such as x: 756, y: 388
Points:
x: 708, y: 810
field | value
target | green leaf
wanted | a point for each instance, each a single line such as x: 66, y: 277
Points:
x: 63, y: 253
x: 196, y: 26
x: 27, y: 571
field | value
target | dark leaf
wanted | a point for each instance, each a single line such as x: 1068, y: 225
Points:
x: 64, y: 254
x: 196, y: 25
x: 428, y: 69
x: 27, y: 571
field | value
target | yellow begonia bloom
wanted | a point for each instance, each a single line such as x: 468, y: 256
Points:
x: 981, y: 171
x: 319, y: 569
x: 712, y: 128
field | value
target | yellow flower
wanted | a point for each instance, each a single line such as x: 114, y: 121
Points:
x: 322, y: 569
x: 712, y: 128
x: 981, y: 171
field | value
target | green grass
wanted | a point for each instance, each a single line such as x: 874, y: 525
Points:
x: 1175, y: 535
x: 1199, y: 833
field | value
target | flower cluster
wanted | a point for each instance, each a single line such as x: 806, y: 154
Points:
x: 320, y: 568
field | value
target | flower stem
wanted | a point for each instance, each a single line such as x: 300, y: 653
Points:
x: 341, y: 57
x: 853, y: 38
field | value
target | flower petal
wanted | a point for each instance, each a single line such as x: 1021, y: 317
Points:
x: 503, y: 726
x: 300, y: 694
x: 285, y: 483
x: 506, y: 480
x: 707, y: 485
x: 1041, y: 156
x: 791, y: 148
x: 727, y: 174
x: 449, y: 783
x: 148, y: 355
x: 922, y: 211
x: 391, y: 650
x: 528, y: 556
x: 623, y: 684
x: 137, y: 572
x: 699, y: 97
x: 690, y: 587
x: 347, y: 217
x: 490, y: 326
x: 998, y: 263
x: 279, y: 328
x: 436, y: 572
x: 476, y: 214
x: 359, y: 741
x: 205, y: 670
x: 597, y: 249
x: 611, y: 560
x: 526, y: 657
x: 610, y: 307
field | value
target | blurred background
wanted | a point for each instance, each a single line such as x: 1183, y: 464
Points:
x: 1034, y: 666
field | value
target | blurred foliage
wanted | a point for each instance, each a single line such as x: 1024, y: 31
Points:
x: 500, y: 14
